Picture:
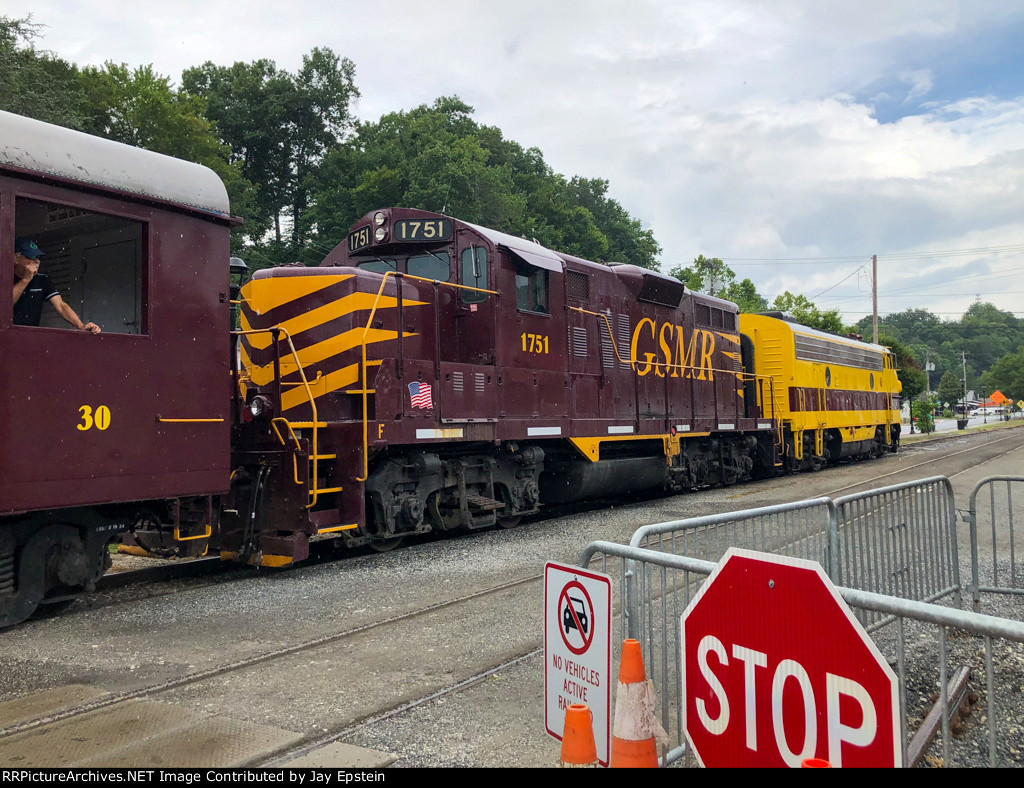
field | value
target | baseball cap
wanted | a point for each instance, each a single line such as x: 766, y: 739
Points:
x: 28, y: 248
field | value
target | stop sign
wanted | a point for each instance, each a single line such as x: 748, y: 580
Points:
x: 776, y: 669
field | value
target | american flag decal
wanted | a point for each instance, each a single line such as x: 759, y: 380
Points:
x: 419, y: 393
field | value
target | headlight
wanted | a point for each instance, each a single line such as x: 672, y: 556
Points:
x: 260, y: 407
x: 379, y: 218
x: 380, y: 234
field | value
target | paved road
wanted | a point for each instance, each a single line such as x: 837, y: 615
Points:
x: 950, y: 425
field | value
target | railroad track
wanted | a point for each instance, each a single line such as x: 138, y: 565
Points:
x: 1015, y: 438
x: 151, y: 691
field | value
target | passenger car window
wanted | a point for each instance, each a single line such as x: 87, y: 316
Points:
x: 95, y: 262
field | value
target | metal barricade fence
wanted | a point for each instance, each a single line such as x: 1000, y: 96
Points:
x: 899, y: 541
x: 678, y: 578
x: 992, y: 501
x: 803, y: 529
x: 656, y: 595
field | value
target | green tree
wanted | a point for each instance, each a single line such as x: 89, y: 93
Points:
x: 1007, y: 375
x: 35, y: 83
x: 627, y: 240
x: 911, y: 376
x: 922, y: 411
x: 437, y: 158
x: 706, y: 275
x: 280, y: 127
x: 985, y: 334
x: 950, y: 388
x: 806, y: 313
x: 744, y: 294
x: 714, y: 277
x: 140, y: 107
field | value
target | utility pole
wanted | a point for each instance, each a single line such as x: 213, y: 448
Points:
x: 963, y: 358
x: 874, y: 299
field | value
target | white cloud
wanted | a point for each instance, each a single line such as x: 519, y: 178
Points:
x: 920, y: 81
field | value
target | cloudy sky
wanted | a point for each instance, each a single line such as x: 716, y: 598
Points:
x: 792, y: 138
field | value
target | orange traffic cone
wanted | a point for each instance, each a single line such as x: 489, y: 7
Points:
x: 815, y: 763
x: 636, y: 727
x: 578, y: 748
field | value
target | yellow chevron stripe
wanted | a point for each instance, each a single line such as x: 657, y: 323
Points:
x: 733, y: 356
x: 267, y: 293
x: 734, y: 338
x: 333, y: 381
x: 262, y: 375
x: 257, y: 341
x: 353, y: 302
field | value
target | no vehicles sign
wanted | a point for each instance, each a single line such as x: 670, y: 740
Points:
x: 577, y: 649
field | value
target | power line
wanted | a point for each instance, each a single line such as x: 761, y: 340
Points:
x: 855, y: 271
x: 836, y: 260
x: 928, y: 295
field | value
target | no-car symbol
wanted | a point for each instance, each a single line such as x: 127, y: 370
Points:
x: 577, y: 611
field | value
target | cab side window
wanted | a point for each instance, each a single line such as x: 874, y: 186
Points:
x: 473, y: 273
x: 95, y: 262
x: 531, y: 289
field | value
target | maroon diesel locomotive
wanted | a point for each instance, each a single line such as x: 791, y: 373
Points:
x: 433, y: 375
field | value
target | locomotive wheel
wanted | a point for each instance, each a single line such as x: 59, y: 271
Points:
x: 381, y: 545
x: 510, y: 522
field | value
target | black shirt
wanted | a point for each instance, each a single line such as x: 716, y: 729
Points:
x: 29, y: 308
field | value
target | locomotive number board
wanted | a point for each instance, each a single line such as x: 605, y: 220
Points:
x: 422, y: 230
x: 404, y: 231
x: 359, y: 238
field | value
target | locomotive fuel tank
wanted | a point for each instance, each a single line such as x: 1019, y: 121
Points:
x: 567, y: 481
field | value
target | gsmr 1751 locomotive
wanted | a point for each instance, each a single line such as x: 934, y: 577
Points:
x: 432, y: 374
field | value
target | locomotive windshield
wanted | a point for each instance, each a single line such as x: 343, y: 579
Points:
x: 429, y: 266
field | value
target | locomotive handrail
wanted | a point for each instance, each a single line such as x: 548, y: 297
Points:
x: 611, y: 336
x: 276, y: 330
x: 291, y: 432
x: 366, y: 330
